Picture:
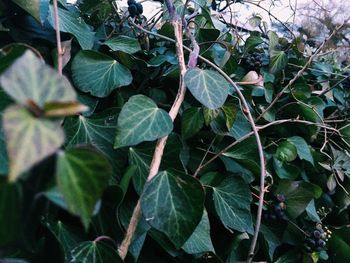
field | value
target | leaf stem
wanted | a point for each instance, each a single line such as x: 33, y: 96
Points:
x: 60, y: 51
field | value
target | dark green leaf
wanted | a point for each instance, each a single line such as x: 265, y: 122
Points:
x: 98, y: 74
x: 252, y: 42
x: 31, y: 6
x: 192, y: 121
x: 10, y: 209
x: 207, y: 86
x: 95, y: 252
x: 298, y: 195
x: 232, y: 200
x: 200, y: 240
x: 82, y: 175
x: 29, y: 79
x: 303, y: 149
x: 71, y: 22
x: 98, y: 130
x: 141, y: 120
x: 29, y: 140
x: 173, y: 204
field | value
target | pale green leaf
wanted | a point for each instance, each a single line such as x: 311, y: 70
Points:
x: 71, y: 22
x: 232, y: 200
x: 278, y: 61
x: 82, y: 174
x: 286, y: 151
x: 98, y: 74
x: 141, y: 120
x: 172, y: 203
x: 207, y: 86
x: 123, y: 43
x: 29, y: 140
x: 29, y: 79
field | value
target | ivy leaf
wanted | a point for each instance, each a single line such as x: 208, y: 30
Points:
x: 71, y: 22
x: 232, y: 200
x: 141, y: 120
x: 98, y: 74
x: 200, y: 240
x: 29, y: 79
x: 10, y: 209
x: 278, y: 62
x: 207, y: 86
x: 3, y: 153
x: 253, y: 41
x: 65, y: 236
x: 97, y: 130
x: 95, y: 252
x: 298, y: 195
x: 271, y: 238
x: 303, y: 149
x: 192, y: 121
x: 172, y: 203
x: 286, y: 151
x: 31, y: 6
x: 29, y: 139
x: 123, y: 43
x: 82, y: 174
x: 141, y: 157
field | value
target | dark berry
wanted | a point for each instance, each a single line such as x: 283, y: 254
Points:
x: 131, y: 2
x: 139, y: 8
x: 132, y: 10
x: 317, y: 234
x: 280, y: 198
x: 320, y: 243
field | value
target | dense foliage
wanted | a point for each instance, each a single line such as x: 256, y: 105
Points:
x: 75, y: 149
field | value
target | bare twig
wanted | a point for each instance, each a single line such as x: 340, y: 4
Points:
x: 159, y: 149
x: 60, y: 51
x: 300, y: 72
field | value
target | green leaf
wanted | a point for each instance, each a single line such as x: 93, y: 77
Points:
x: 272, y: 240
x: 65, y: 236
x: 98, y: 130
x: 252, y: 42
x: 141, y: 120
x: 273, y: 38
x: 3, y: 153
x: 232, y: 200
x: 200, y: 240
x: 29, y: 79
x: 172, y: 203
x: 303, y: 149
x: 339, y: 245
x: 278, y: 61
x: 95, y: 252
x: 285, y: 170
x: 82, y: 174
x: 10, y: 209
x: 286, y: 151
x: 98, y: 74
x: 31, y: 6
x: 298, y: 195
x: 240, y: 126
x: 141, y: 156
x: 192, y: 121
x: 207, y: 86
x: 123, y: 43
x: 71, y: 22
x: 29, y: 140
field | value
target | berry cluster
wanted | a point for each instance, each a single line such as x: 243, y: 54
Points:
x: 276, y: 209
x: 317, y: 239
x: 254, y: 60
x: 135, y: 9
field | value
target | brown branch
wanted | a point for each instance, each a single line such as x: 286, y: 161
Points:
x: 60, y: 51
x: 300, y: 72
x: 159, y: 149
x: 255, y: 132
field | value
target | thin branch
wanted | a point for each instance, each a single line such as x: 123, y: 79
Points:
x: 300, y: 72
x: 60, y: 51
x: 159, y: 149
